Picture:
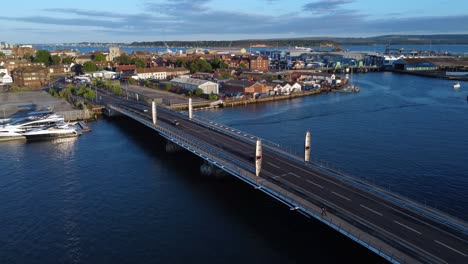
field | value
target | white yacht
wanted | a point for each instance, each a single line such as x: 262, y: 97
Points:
x: 58, y: 130
x: 456, y: 85
x: 17, y: 127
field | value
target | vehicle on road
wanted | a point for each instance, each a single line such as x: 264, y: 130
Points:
x: 175, y: 122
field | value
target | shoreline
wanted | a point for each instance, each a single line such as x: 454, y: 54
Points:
x: 246, y: 101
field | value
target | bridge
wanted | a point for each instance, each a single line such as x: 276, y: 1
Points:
x: 398, y: 229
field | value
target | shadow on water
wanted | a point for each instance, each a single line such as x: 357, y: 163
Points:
x: 292, y: 237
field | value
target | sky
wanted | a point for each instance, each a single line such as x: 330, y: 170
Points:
x: 126, y: 21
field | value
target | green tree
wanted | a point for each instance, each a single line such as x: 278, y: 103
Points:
x: 179, y: 62
x: 218, y: 64
x: 198, y: 92
x: 138, y: 62
x: 56, y: 60
x: 67, y: 60
x: 168, y: 86
x: 212, y: 96
x: 67, y: 92
x: 225, y: 75
x: 124, y: 59
x: 131, y: 81
x: 147, y: 83
x: 242, y: 65
x: 86, y: 92
x: 98, y: 56
x: 2, y: 54
x: 43, y: 56
x: 89, y: 66
x: 200, y: 65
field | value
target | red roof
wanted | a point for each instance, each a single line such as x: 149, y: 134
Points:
x: 130, y: 67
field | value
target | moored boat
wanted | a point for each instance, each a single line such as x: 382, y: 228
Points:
x: 16, y: 128
x: 457, y: 85
x: 61, y: 130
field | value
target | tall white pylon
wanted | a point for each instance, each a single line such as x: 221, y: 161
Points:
x: 258, y: 157
x: 307, y: 147
x: 190, y: 108
x: 153, y: 111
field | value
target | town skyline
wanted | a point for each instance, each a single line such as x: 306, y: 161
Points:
x: 103, y: 21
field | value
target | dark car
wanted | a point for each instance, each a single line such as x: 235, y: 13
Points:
x: 175, y: 122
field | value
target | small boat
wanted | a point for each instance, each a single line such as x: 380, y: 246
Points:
x: 15, y: 128
x: 456, y: 85
x: 59, y: 130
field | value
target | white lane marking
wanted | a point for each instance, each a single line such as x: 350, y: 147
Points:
x: 273, y: 165
x: 295, y: 175
x: 375, y: 212
x: 369, y: 223
x: 318, y: 185
x: 440, y: 243
x: 337, y: 194
x: 414, y: 230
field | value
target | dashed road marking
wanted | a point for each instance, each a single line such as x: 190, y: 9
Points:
x: 375, y: 212
x: 414, y: 230
x: 337, y: 194
x: 440, y: 243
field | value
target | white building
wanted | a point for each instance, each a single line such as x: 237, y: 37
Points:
x: 151, y: 73
x: 5, y: 78
x: 105, y: 74
x: 193, y: 84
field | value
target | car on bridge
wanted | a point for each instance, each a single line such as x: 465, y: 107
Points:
x: 175, y: 122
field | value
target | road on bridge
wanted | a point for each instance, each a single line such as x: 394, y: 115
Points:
x: 426, y: 238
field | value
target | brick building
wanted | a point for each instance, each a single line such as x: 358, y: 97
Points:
x: 260, y: 63
x: 34, y: 77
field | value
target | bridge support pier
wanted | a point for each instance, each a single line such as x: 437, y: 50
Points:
x: 172, y: 147
x: 307, y: 147
x: 190, y: 108
x: 153, y: 111
x: 136, y: 96
x: 258, y: 158
x: 208, y: 169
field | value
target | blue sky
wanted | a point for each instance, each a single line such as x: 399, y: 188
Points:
x: 53, y: 21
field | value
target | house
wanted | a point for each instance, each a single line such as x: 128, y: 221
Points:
x: 59, y: 69
x: 151, y: 73
x: 126, y: 71
x: 193, y: 84
x: 174, y: 72
x: 82, y: 59
x: 32, y: 77
x: 5, y: 78
x: 64, y: 52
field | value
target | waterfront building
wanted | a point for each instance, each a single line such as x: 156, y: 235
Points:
x: 208, y: 87
x: 450, y: 64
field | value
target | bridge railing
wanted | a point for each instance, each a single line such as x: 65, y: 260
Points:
x: 361, y: 184
x: 352, y: 180
x: 359, y: 231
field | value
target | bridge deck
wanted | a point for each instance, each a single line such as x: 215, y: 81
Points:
x: 397, y: 229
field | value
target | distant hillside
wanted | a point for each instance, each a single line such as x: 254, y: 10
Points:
x: 316, y: 41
